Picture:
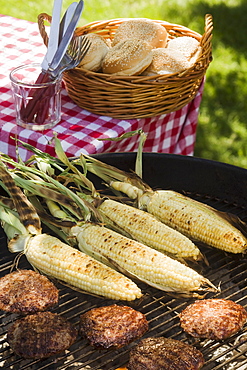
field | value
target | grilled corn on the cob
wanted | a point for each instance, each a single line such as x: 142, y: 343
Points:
x: 194, y: 219
x: 138, y: 260
x: 54, y: 258
x: 147, y: 229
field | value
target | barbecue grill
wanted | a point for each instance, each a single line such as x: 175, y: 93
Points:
x: 219, y: 185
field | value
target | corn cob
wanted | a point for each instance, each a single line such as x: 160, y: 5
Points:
x: 139, y: 260
x: 54, y: 258
x: 146, y: 229
x: 194, y: 219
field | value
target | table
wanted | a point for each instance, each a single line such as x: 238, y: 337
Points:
x: 79, y: 130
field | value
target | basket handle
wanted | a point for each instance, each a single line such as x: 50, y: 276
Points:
x: 208, y: 28
x: 42, y: 17
x: 41, y: 24
x: 206, y: 40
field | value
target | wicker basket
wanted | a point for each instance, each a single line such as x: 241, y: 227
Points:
x: 128, y: 97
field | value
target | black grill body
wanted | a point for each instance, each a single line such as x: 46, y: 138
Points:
x: 219, y: 185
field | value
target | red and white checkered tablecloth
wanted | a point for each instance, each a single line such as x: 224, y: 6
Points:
x: 79, y: 130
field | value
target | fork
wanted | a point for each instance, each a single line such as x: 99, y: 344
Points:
x: 74, y: 55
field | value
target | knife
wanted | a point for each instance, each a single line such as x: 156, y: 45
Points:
x: 69, y: 33
x: 66, y: 19
x: 54, y: 34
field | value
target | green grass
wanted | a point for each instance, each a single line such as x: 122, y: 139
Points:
x: 222, y: 126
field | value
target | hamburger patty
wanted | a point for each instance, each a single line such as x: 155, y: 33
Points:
x: 112, y: 326
x: 213, y: 318
x: 164, y: 353
x: 26, y: 291
x: 41, y: 335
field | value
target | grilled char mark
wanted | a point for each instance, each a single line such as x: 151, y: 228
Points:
x: 164, y: 353
x: 6, y: 201
x: 25, y: 209
x: 112, y: 326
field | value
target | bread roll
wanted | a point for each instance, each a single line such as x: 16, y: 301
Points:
x: 128, y: 58
x: 96, y: 53
x: 143, y: 29
x: 166, y: 61
x: 187, y: 45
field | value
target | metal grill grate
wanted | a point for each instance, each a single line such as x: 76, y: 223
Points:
x: 161, y: 310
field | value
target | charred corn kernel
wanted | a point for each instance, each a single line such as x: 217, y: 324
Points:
x: 141, y: 261
x: 57, y: 259
x: 148, y: 230
x: 195, y: 220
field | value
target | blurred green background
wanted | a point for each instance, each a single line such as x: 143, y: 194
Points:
x: 222, y: 126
